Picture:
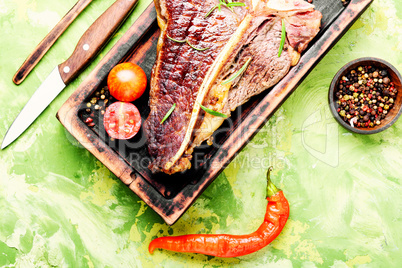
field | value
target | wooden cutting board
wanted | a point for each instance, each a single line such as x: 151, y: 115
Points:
x: 171, y: 195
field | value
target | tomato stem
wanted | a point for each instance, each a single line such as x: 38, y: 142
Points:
x: 271, y: 188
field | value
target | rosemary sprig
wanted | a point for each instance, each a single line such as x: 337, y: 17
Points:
x: 212, y: 112
x: 226, y: 3
x: 211, y: 10
x: 239, y: 72
x: 235, y: 4
x: 168, y: 113
x: 283, y: 37
x: 199, y: 49
x: 178, y: 41
x: 186, y: 41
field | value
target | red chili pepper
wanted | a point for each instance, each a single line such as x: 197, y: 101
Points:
x: 224, y: 245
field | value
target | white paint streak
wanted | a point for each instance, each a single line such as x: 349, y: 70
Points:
x: 46, y: 18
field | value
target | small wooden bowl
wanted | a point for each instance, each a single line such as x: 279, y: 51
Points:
x: 393, y: 74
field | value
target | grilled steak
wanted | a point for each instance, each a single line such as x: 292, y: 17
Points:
x: 196, y: 53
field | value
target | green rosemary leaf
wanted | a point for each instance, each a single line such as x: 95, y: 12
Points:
x: 239, y: 72
x: 283, y: 37
x: 178, y: 41
x: 209, y: 12
x: 212, y: 112
x: 236, y: 4
x: 168, y: 113
x: 182, y: 41
x: 229, y: 4
x: 199, y: 49
x: 225, y: 2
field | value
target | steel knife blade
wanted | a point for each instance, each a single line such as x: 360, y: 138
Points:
x: 87, y: 48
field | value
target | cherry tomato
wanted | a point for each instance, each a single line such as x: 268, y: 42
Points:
x: 122, y: 120
x: 127, y: 82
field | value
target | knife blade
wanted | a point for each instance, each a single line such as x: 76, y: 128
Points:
x: 87, y: 48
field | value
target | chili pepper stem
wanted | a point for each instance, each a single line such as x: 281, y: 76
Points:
x: 271, y: 188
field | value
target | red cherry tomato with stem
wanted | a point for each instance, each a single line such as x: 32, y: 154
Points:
x: 127, y: 82
x: 122, y: 120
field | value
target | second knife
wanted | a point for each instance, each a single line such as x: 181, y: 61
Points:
x: 48, y: 41
x: 87, y: 48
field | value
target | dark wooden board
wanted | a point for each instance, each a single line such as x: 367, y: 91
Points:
x: 171, y: 195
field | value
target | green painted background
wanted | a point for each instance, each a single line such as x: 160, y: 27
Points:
x: 61, y: 207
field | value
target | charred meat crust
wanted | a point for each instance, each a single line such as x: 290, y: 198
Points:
x: 180, y: 70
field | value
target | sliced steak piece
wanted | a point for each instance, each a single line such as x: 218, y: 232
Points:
x: 266, y: 68
x: 301, y: 28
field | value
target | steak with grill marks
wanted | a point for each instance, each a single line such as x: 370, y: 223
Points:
x: 196, y: 53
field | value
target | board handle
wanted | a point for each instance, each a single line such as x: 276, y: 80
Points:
x: 41, y: 49
x: 95, y: 38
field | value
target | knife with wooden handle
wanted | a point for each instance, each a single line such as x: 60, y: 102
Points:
x: 87, y: 48
x: 41, y: 49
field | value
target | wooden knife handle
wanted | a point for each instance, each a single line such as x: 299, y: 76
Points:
x: 95, y: 38
x: 48, y: 41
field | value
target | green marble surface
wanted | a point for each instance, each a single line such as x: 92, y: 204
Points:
x: 61, y: 207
